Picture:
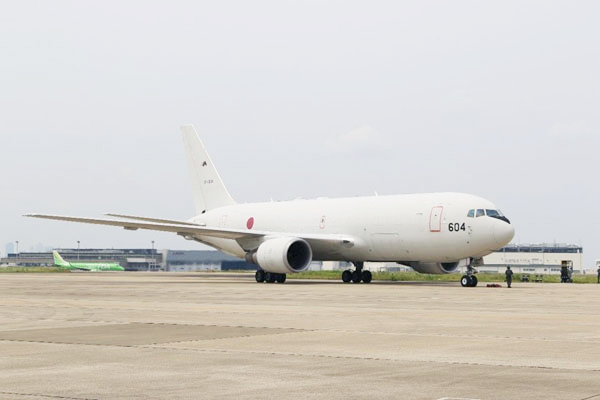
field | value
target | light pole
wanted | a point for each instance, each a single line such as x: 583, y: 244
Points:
x: 153, y: 261
x: 78, y: 251
x: 17, y: 252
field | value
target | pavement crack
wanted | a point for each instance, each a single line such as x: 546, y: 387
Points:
x: 363, y: 358
x: 47, y: 396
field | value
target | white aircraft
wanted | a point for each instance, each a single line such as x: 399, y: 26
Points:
x: 432, y: 233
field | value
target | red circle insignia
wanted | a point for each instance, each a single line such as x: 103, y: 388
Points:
x: 250, y: 223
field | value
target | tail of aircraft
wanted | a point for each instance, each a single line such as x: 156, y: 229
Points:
x: 209, y: 190
x: 58, y: 260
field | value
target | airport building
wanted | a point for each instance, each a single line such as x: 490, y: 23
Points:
x: 202, y: 260
x: 130, y: 259
x: 136, y: 259
x: 534, y: 258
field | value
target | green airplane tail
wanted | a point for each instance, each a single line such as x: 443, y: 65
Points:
x: 58, y: 260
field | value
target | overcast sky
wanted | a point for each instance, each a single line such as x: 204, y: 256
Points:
x: 297, y: 99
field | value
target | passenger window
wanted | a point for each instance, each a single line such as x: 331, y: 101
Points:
x: 471, y: 213
x: 480, y: 213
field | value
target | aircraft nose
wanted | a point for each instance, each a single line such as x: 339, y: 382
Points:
x: 503, y: 233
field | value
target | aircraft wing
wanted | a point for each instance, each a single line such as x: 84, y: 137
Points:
x: 182, y: 228
x: 159, y: 220
x: 188, y: 228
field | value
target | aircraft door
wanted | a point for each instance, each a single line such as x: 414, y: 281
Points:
x: 435, y: 219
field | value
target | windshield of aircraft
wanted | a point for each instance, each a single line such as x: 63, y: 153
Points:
x: 496, y: 214
x: 475, y: 213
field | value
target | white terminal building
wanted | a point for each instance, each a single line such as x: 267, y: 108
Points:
x: 534, y: 258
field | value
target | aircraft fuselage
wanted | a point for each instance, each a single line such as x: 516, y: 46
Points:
x: 431, y: 227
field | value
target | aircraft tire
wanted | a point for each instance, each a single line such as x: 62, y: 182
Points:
x: 346, y: 276
x: 474, y: 281
x: 465, y: 281
x: 260, y: 276
x: 269, y: 277
x: 356, y: 277
x: 281, y: 278
x: 367, y: 276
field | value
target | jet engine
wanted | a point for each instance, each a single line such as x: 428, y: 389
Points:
x: 282, y: 255
x: 433, y: 267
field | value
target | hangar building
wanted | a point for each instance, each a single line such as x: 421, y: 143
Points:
x: 534, y: 258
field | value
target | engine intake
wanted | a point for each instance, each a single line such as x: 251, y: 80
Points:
x: 283, y: 255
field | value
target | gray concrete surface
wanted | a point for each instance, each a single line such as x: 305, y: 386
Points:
x: 197, y: 336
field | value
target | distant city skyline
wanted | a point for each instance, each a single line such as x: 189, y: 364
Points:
x: 10, y: 247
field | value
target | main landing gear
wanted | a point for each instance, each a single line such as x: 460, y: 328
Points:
x: 469, y: 280
x: 357, y: 275
x: 269, y: 277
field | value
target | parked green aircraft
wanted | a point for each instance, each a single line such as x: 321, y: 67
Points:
x: 59, y: 262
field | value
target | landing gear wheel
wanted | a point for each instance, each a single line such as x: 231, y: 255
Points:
x: 465, y: 281
x: 469, y: 279
x: 260, y: 276
x: 356, y: 277
x: 346, y: 276
x: 281, y: 278
x: 473, y: 281
x: 366, y: 276
x: 269, y: 277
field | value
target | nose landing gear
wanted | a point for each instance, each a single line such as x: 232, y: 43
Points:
x: 357, y: 275
x: 469, y: 279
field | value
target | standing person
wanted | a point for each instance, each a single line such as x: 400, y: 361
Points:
x: 599, y: 274
x: 509, y: 275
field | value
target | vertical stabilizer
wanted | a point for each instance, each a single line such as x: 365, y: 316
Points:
x: 209, y: 190
x: 58, y: 260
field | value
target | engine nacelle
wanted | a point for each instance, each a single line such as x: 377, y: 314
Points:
x: 283, y: 255
x: 434, y: 268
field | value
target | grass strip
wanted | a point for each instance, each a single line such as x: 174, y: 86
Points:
x: 31, y: 269
x: 415, y: 276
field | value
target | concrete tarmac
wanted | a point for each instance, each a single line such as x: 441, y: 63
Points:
x: 216, y: 335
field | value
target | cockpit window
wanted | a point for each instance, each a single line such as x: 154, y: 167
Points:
x: 494, y: 213
x: 497, y: 214
x: 480, y: 213
x: 471, y: 213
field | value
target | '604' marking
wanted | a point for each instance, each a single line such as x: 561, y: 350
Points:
x: 456, y: 227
